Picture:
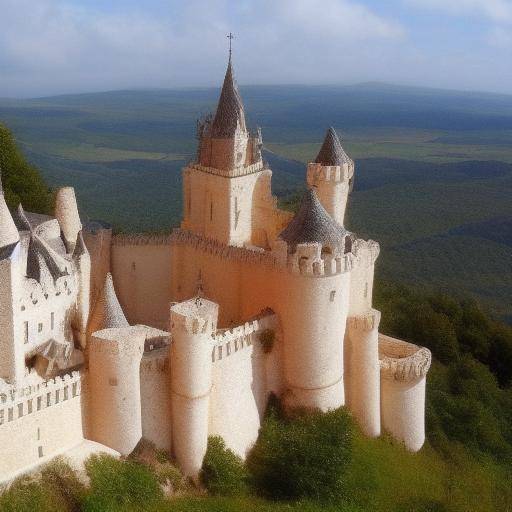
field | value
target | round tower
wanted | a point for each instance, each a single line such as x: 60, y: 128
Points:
x: 66, y: 212
x: 193, y: 325
x: 403, y: 370
x: 362, y: 376
x: 114, y: 383
x: 313, y: 306
x: 332, y: 174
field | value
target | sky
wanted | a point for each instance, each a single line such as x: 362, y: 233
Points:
x: 52, y: 47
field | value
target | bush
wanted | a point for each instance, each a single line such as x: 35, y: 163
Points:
x: 26, y: 495
x: 120, y: 485
x: 303, y: 456
x: 223, y: 473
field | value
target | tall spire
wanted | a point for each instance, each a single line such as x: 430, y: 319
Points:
x: 8, y: 232
x: 230, y: 110
x: 331, y: 152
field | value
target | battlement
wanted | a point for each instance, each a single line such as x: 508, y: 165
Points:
x: 194, y: 316
x: 232, y: 173
x: 128, y: 341
x: 17, y: 403
x: 229, y: 341
x: 216, y: 248
x: 402, y: 361
x: 333, y: 173
x: 141, y: 239
x: 367, y: 322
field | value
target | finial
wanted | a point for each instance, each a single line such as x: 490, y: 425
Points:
x: 230, y: 36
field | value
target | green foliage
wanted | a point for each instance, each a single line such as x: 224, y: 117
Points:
x: 223, y: 472
x: 26, y: 495
x: 120, y: 485
x: 22, y: 182
x: 302, y: 456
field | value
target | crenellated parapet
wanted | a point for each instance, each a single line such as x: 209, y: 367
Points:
x: 123, y: 239
x: 330, y: 173
x: 402, y: 361
x: 230, y: 341
x: 17, y: 403
x: 366, y: 322
x: 230, y: 173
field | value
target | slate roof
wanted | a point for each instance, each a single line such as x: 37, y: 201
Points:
x: 331, y: 152
x: 38, y: 257
x: 312, y: 223
x: 113, y: 312
x: 230, y: 109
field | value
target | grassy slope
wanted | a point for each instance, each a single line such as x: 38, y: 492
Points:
x: 432, y: 185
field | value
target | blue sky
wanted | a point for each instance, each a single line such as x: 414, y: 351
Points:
x: 67, y: 46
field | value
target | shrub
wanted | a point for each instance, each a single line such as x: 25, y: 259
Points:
x: 223, y: 473
x: 26, y: 495
x: 303, y: 456
x: 120, y: 485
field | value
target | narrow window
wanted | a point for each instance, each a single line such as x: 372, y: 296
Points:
x: 40, y: 327
x: 20, y: 410
x: 38, y: 434
x: 25, y: 332
x: 211, y: 211
x: 366, y: 290
x: 52, y: 321
x: 332, y: 295
x: 40, y: 451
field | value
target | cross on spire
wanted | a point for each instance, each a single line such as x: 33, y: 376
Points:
x: 230, y: 36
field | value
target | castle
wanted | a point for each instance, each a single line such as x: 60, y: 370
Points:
x: 173, y: 338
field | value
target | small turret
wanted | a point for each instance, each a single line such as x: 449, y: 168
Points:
x: 332, y: 173
x: 82, y: 261
x: 8, y: 233
x: 66, y: 212
x: 193, y: 325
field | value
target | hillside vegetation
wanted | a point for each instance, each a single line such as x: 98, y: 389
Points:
x: 312, y: 462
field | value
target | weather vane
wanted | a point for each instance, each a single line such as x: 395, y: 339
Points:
x: 230, y: 36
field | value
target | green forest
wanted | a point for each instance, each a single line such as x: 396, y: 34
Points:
x: 308, y: 461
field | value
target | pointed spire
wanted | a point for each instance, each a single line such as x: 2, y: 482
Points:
x: 108, y: 313
x: 331, y: 152
x: 21, y: 220
x: 8, y: 232
x: 230, y: 110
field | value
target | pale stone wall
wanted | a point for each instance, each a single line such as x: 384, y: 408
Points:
x: 39, y: 422
x: 243, y: 377
x: 155, y: 397
x: 404, y: 367
x: 141, y: 268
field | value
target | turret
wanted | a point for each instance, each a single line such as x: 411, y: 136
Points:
x: 332, y: 174
x: 403, y: 370
x: 193, y: 325
x: 114, y: 370
x: 316, y: 288
x: 8, y: 233
x: 66, y: 212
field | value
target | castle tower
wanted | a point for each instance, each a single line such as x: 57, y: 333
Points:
x: 316, y: 288
x: 332, y: 174
x: 193, y: 325
x: 82, y: 261
x: 362, y: 371
x: 66, y: 212
x: 227, y: 190
x: 114, y: 384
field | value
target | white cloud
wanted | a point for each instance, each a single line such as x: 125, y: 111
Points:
x: 496, y: 10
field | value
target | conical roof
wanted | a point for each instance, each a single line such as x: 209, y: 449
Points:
x: 312, y: 223
x: 230, y: 110
x: 109, y: 313
x: 80, y: 247
x: 8, y: 232
x: 331, y: 152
